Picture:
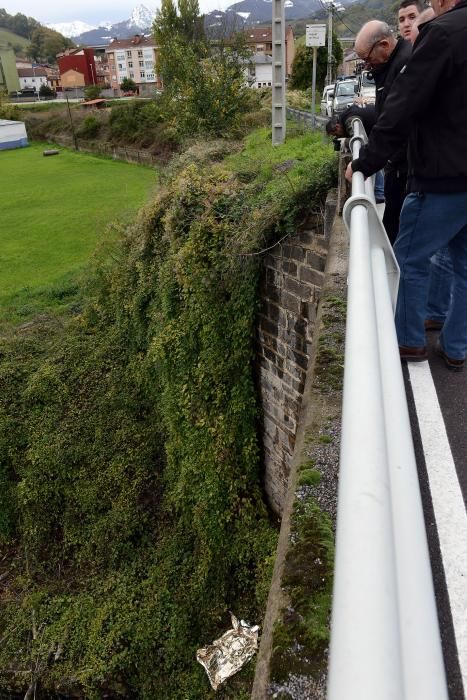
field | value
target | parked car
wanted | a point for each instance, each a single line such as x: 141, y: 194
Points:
x: 344, y: 95
x: 326, y: 100
x: 366, y: 88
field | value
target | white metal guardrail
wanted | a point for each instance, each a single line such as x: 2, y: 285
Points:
x: 385, y: 641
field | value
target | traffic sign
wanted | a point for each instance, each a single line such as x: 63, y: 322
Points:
x: 315, y: 35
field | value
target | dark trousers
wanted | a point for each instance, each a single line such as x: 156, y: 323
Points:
x: 395, y: 186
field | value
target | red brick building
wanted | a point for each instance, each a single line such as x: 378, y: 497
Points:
x: 77, y: 68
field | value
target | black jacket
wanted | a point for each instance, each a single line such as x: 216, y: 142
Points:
x: 385, y: 75
x: 366, y: 114
x: 428, y: 103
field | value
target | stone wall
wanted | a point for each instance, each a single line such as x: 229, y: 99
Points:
x: 292, y: 279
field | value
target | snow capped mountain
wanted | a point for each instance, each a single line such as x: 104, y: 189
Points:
x: 70, y: 29
x: 142, y: 16
x: 236, y: 16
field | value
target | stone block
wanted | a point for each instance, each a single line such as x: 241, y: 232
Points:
x: 303, y: 291
x: 290, y: 302
x: 268, y: 326
x: 308, y: 274
x: 290, y: 267
x: 294, y: 252
x: 316, y: 261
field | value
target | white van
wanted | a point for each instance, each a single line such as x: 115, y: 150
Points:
x: 344, y: 94
x: 326, y: 100
x: 366, y: 88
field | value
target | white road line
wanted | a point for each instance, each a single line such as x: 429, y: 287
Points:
x: 448, y: 503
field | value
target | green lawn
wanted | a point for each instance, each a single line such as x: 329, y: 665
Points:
x: 54, y: 211
x: 7, y: 37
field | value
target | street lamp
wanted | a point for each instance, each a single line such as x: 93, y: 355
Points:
x: 331, y: 7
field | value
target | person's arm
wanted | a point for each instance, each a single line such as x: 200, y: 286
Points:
x: 410, y: 95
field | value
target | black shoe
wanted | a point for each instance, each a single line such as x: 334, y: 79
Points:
x: 379, y: 201
x: 432, y: 325
x: 413, y: 354
x: 451, y: 363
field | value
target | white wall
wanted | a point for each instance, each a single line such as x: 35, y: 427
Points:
x: 33, y: 82
x: 263, y: 75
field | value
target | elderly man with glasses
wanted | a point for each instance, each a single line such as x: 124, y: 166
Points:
x: 384, y: 56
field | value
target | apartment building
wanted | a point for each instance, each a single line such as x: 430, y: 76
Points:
x: 134, y: 58
x: 259, y: 41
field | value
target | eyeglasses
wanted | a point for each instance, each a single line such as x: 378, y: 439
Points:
x: 366, y: 59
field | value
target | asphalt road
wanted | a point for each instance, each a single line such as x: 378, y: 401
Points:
x: 440, y: 440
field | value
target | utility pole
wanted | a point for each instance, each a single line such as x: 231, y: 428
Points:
x: 72, y: 125
x: 338, y: 7
x: 329, y: 67
x: 278, y: 72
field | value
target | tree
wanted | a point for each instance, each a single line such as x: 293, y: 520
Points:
x: 204, y: 81
x: 92, y: 92
x: 46, y: 91
x: 302, y: 66
x: 128, y: 85
x: 179, y: 34
x: 46, y: 44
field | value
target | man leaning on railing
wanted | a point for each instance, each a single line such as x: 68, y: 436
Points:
x: 434, y: 214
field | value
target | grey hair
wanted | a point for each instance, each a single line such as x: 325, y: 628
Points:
x: 383, y: 31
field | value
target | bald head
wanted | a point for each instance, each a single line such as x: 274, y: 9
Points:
x: 375, y: 43
x: 442, y: 6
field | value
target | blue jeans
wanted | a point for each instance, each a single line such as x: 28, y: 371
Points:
x: 379, y: 185
x: 440, y: 290
x: 428, y: 223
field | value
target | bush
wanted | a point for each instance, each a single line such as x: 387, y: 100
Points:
x: 92, y: 92
x: 128, y: 85
x: 90, y: 127
x: 46, y: 91
x: 136, y: 120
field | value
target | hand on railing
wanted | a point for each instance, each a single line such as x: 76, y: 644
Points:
x: 349, y: 172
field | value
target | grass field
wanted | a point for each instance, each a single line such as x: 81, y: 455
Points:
x: 7, y: 37
x: 54, y: 210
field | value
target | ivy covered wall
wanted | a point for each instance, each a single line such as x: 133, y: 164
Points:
x: 133, y: 517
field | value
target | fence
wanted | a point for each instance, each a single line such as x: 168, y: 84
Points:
x: 305, y: 117
x: 130, y: 155
x: 385, y: 640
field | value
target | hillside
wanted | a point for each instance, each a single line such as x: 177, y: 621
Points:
x: 41, y: 42
x: 8, y: 38
x: 350, y: 21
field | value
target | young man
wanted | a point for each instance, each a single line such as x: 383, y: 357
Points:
x: 407, y: 16
x: 435, y: 210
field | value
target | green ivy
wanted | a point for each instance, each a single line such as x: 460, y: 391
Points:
x: 135, y: 518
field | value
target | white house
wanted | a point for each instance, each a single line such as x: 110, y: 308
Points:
x: 12, y: 134
x: 260, y: 70
x: 32, y: 78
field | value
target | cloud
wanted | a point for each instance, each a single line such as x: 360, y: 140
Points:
x: 88, y: 10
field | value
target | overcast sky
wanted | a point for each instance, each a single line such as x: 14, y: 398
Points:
x: 89, y: 11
